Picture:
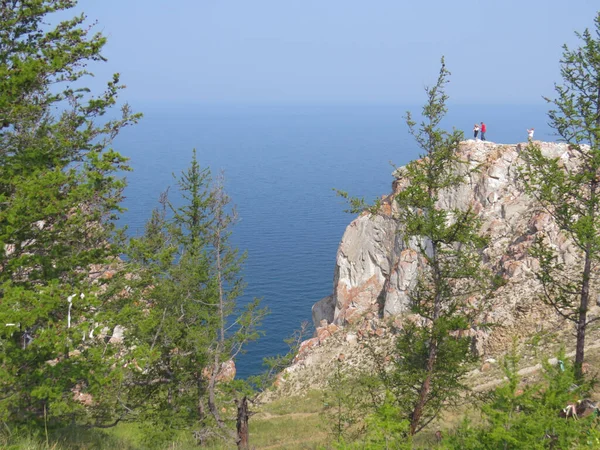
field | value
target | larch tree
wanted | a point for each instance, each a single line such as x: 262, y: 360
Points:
x: 570, y: 192
x: 193, y: 327
x: 60, y: 190
x: 433, y: 350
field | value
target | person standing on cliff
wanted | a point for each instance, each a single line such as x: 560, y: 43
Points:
x: 530, y: 134
x: 475, y: 131
x: 483, y: 130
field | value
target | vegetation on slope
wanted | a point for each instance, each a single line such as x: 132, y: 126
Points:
x: 103, y: 352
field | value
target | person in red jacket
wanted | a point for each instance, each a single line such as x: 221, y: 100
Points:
x: 483, y: 129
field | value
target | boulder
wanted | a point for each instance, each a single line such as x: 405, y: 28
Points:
x: 324, y: 309
x: 225, y: 374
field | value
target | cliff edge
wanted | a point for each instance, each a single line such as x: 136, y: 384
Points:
x: 376, y: 269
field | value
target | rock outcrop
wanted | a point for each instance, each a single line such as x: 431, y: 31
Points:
x: 376, y: 269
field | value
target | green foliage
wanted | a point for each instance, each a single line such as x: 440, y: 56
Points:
x: 358, y: 413
x: 346, y: 403
x: 358, y: 205
x: 433, y: 351
x: 386, y: 428
x: 412, y: 368
x: 433, y: 348
x: 576, y: 115
x: 528, y: 417
x: 569, y: 191
x: 59, y: 194
x: 187, y: 276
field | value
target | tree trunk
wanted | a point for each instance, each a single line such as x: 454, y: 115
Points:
x: 585, y: 291
x: 243, y: 434
x: 216, y: 365
x: 200, y: 405
x: 426, y: 386
x: 582, y: 319
x: 212, y: 404
x: 415, y: 417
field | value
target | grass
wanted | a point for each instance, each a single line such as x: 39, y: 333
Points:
x: 293, y: 423
x: 288, y: 423
x: 68, y: 439
x: 289, y: 433
x: 309, y: 403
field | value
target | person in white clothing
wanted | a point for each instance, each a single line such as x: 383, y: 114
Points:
x: 530, y: 133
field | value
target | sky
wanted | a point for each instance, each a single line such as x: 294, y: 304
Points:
x: 335, y: 51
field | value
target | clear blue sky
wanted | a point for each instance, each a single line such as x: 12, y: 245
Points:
x: 336, y: 51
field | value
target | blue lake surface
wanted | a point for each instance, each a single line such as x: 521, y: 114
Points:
x: 281, y: 164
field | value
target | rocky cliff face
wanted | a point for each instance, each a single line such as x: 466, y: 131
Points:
x: 375, y: 269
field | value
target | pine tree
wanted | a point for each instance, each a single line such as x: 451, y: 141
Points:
x: 60, y: 190
x: 570, y: 192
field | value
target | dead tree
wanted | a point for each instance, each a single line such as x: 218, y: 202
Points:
x: 243, y: 415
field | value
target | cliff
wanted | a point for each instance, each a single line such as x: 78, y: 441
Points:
x: 375, y: 269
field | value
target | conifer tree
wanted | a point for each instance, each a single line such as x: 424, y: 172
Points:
x: 192, y: 326
x: 432, y: 351
x: 518, y: 415
x: 570, y: 192
x: 59, y: 193
x: 347, y: 401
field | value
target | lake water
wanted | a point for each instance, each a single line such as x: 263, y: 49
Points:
x: 281, y: 164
